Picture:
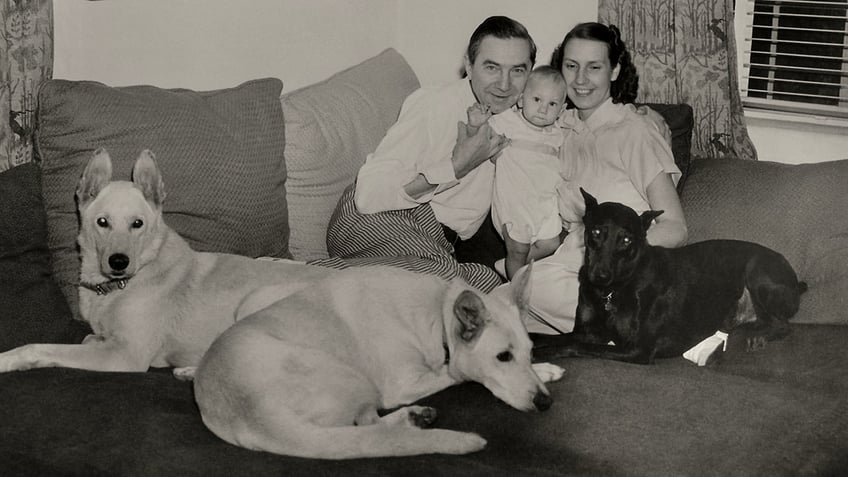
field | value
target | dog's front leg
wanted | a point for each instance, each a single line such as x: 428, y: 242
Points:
x: 415, y: 385
x: 94, y: 355
x: 636, y: 355
x: 549, y: 347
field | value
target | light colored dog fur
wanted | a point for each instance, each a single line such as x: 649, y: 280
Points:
x: 306, y: 375
x: 165, y: 303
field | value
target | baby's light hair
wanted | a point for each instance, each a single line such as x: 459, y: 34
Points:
x: 548, y: 72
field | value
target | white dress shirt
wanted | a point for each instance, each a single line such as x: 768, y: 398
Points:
x: 422, y: 141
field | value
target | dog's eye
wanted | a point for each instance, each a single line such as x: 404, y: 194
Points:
x: 504, y: 356
x: 137, y: 224
x: 596, y: 233
x: 102, y: 222
x: 626, y: 241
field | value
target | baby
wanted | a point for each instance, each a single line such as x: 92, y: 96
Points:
x: 524, y: 204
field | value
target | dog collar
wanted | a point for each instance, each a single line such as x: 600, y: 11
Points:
x: 608, y: 306
x: 106, y: 287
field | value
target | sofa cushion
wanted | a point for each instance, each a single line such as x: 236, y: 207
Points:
x: 798, y: 210
x: 681, y: 120
x: 331, y: 127
x: 220, y: 152
x: 32, y: 307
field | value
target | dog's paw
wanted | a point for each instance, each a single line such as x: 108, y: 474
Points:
x: 92, y: 338
x: 410, y: 416
x: 422, y: 416
x: 185, y: 373
x: 755, y: 343
x: 548, y: 372
x: 746, y: 341
x: 471, y: 442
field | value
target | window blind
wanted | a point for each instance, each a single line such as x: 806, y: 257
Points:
x: 796, y: 56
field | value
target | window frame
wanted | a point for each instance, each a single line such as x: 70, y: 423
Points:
x: 744, y: 26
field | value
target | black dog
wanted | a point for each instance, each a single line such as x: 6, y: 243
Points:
x: 656, y: 302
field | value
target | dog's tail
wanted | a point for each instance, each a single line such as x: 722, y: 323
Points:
x: 377, y: 440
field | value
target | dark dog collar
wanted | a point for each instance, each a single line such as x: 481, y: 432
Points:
x: 106, y: 287
x: 608, y: 306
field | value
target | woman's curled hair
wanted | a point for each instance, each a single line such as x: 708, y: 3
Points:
x: 625, y: 88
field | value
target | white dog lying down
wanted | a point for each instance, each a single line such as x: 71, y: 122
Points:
x: 150, y: 299
x: 306, y: 375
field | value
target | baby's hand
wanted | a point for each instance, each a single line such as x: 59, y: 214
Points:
x: 478, y: 114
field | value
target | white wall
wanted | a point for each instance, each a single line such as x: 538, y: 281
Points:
x: 209, y: 44
x: 433, y: 34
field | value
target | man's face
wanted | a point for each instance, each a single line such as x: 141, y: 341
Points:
x: 499, y: 72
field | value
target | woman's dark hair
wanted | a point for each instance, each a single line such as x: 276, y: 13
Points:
x: 503, y: 28
x: 626, y: 86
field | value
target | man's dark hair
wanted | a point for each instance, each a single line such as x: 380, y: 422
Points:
x: 503, y: 28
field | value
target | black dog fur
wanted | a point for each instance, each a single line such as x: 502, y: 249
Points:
x: 657, y: 302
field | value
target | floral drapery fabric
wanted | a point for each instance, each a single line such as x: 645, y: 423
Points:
x: 26, y: 60
x: 685, y: 52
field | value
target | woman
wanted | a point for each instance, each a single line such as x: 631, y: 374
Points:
x: 611, y: 151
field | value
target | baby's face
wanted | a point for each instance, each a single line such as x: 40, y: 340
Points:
x: 542, y: 101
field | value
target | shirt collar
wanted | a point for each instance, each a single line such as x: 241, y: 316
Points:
x: 606, y: 113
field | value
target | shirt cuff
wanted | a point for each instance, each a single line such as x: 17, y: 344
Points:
x: 439, y: 173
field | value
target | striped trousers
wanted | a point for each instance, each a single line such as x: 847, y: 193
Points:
x: 411, y: 238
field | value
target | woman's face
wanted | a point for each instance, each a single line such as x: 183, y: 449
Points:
x: 588, y: 74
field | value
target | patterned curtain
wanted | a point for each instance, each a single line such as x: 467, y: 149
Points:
x: 685, y: 52
x: 26, y: 60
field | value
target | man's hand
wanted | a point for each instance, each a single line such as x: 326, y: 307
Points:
x: 471, y: 150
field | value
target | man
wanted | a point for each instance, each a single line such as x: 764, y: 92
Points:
x: 428, y: 171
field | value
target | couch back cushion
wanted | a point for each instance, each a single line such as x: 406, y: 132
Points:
x: 220, y: 152
x: 798, y: 210
x: 331, y: 127
x: 32, y: 307
x: 681, y: 120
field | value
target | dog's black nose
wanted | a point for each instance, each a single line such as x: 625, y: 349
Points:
x: 119, y: 262
x: 542, y: 401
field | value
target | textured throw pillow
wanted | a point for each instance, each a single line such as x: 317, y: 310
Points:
x: 798, y: 210
x: 32, y: 308
x: 220, y: 152
x: 330, y: 128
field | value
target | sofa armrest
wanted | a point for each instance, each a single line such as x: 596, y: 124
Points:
x: 798, y: 210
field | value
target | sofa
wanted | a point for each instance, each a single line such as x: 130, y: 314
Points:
x: 257, y: 171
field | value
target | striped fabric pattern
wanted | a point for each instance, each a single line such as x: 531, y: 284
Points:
x: 411, y: 239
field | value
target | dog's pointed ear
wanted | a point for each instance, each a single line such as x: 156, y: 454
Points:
x: 648, y: 216
x: 97, y: 174
x: 146, y: 175
x: 590, y: 201
x: 470, y: 315
x: 520, y: 285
